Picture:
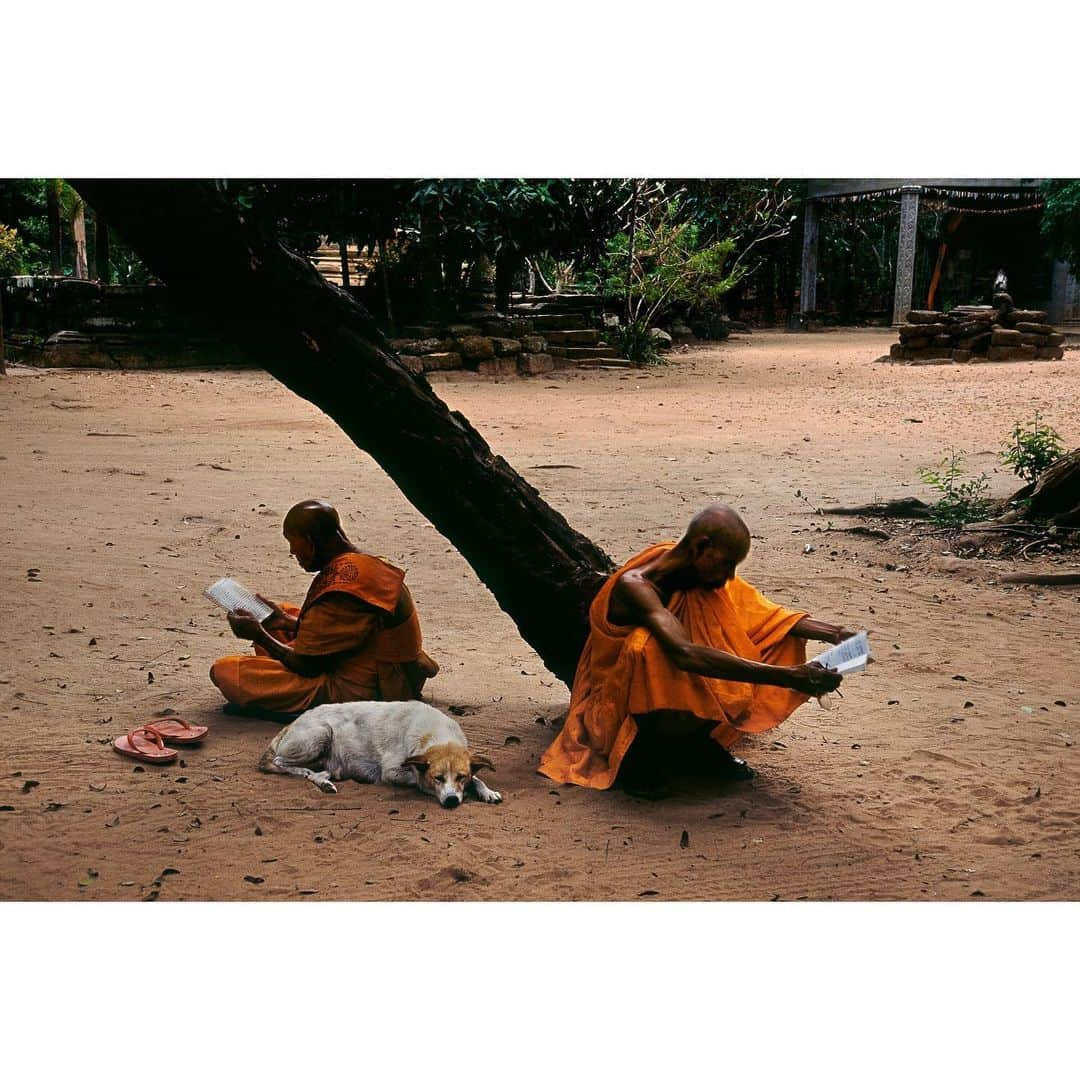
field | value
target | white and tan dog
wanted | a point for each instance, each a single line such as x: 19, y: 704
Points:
x: 392, y: 742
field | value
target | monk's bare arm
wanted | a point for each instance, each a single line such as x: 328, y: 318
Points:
x: 249, y: 628
x: 813, y: 630
x: 636, y: 602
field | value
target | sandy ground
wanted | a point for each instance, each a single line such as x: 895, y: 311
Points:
x: 948, y: 771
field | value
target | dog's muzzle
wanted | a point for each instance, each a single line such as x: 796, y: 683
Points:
x: 451, y: 802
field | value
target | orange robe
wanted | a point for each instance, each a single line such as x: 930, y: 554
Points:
x: 348, y: 611
x: 623, y: 672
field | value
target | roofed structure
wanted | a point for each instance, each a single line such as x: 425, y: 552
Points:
x: 978, y: 196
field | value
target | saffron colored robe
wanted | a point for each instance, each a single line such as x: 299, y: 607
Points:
x: 623, y: 672
x: 357, y: 608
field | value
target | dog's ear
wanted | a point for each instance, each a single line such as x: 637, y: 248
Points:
x: 478, y: 761
x: 420, y: 764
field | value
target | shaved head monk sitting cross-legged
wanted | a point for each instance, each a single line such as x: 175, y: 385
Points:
x: 680, y: 646
x: 357, y: 637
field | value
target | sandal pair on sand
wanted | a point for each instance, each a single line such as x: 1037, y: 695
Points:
x: 148, y: 743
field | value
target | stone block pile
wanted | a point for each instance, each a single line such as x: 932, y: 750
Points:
x: 976, y: 333
x: 530, y: 345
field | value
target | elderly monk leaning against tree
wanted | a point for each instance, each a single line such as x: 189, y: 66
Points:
x: 679, y: 646
x: 356, y: 638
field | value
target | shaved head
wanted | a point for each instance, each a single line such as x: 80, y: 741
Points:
x: 723, y: 527
x: 313, y: 518
x: 314, y: 532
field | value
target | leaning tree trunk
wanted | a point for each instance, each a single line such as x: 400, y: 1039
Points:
x: 324, y: 346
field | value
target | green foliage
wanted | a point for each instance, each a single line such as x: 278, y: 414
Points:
x: 1029, y: 453
x: 1061, y: 220
x: 634, y: 342
x: 667, y: 264
x: 961, y: 500
x: 11, y: 252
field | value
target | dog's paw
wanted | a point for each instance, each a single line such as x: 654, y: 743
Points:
x: 490, y: 796
x: 326, y: 786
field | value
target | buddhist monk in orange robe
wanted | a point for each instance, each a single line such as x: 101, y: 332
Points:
x: 356, y: 637
x: 678, y: 645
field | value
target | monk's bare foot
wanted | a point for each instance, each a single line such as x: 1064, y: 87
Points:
x: 724, y: 764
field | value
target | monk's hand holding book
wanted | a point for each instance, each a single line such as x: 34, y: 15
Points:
x: 244, y: 624
x: 814, y: 680
x: 277, y: 619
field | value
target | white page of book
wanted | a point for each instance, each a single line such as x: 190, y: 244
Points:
x: 232, y: 596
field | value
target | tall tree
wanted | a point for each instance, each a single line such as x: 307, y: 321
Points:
x: 77, y: 221
x: 52, y: 203
x: 323, y: 345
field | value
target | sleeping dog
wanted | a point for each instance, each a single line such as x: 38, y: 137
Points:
x: 393, y: 742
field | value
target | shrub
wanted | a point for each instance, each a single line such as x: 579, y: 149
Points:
x: 634, y: 342
x: 1029, y: 453
x: 961, y: 500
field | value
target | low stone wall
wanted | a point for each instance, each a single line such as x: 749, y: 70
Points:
x: 977, y: 333
x: 63, y: 322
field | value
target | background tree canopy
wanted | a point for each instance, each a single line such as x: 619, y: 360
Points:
x: 429, y: 246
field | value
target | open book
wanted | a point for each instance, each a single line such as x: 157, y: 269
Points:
x: 232, y: 596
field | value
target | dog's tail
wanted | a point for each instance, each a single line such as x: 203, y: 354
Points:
x: 266, y: 762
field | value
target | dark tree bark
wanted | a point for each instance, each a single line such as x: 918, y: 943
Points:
x: 1054, y: 497
x: 507, y: 262
x: 325, y: 347
x: 91, y: 243
x: 52, y: 209
x: 101, y: 246
x: 343, y: 254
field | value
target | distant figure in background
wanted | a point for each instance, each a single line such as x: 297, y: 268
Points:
x: 356, y: 638
x: 1001, y: 282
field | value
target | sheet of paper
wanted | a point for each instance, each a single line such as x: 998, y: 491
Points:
x: 232, y: 596
x: 848, y: 657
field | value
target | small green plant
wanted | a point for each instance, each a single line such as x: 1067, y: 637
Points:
x: 634, y: 342
x: 1029, y: 453
x: 962, y: 500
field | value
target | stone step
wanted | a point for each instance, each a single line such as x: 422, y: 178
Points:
x: 572, y: 337
x: 589, y: 352
x: 543, y: 323
x: 610, y: 364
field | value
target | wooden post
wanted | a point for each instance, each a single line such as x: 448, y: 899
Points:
x: 905, y: 254
x: 808, y: 290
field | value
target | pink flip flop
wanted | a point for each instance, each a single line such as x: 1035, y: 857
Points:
x: 136, y: 744
x: 176, y: 730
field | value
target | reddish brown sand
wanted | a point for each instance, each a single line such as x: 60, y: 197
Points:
x: 949, y: 770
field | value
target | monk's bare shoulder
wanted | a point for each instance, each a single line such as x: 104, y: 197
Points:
x: 632, y: 599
